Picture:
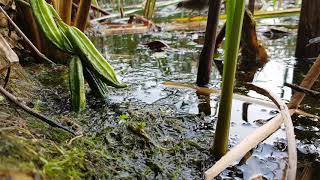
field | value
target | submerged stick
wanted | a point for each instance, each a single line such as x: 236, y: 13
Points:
x: 295, y: 87
x: 245, y: 145
x: 15, y: 101
x: 307, y: 82
x: 206, y: 55
x: 258, y: 136
x: 25, y: 37
x: 207, y: 91
x: 292, y: 147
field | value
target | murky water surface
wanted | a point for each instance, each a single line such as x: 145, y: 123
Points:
x: 182, y: 122
x: 146, y: 71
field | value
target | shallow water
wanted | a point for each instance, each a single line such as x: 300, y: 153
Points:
x: 145, y: 71
x: 182, y: 121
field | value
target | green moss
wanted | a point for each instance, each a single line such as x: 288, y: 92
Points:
x: 55, y: 161
x: 71, y: 163
x: 1, y: 99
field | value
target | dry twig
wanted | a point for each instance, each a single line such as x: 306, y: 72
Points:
x: 259, y: 135
x: 292, y: 149
x: 264, y: 131
x: 15, y: 101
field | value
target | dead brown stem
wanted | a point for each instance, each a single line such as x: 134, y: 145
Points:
x: 251, y: 49
x: 245, y: 145
x: 65, y: 9
x: 258, y: 136
x: 31, y: 26
x: 56, y: 4
x: 251, y: 5
x: 15, y: 101
x: 82, y: 14
x: 25, y: 38
x: 292, y: 147
x: 206, y: 55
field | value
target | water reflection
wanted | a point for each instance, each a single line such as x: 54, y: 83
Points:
x: 245, y: 107
x: 141, y: 67
x: 145, y: 71
x: 204, y: 105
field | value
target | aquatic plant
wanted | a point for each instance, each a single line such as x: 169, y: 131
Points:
x: 235, y: 13
x: 75, y: 42
x: 149, y: 9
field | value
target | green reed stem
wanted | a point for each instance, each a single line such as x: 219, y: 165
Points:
x: 235, y: 13
x: 149, y: 9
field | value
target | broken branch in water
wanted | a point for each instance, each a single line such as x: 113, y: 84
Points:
x: 295, y: 87
x: 307, y: 82
x: 15, y: 101
x: 245, y: 145
x: 264, y: 131
x: 25, y: 37
x: 292, y: 148
x: 207, y: 91
x: 258, y: 136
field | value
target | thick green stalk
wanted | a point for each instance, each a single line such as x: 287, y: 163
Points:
x: 149, y: 9
x: 77, y: 85
x: 274, y: 4
x: 95, y: 2
x: 235, y: 13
